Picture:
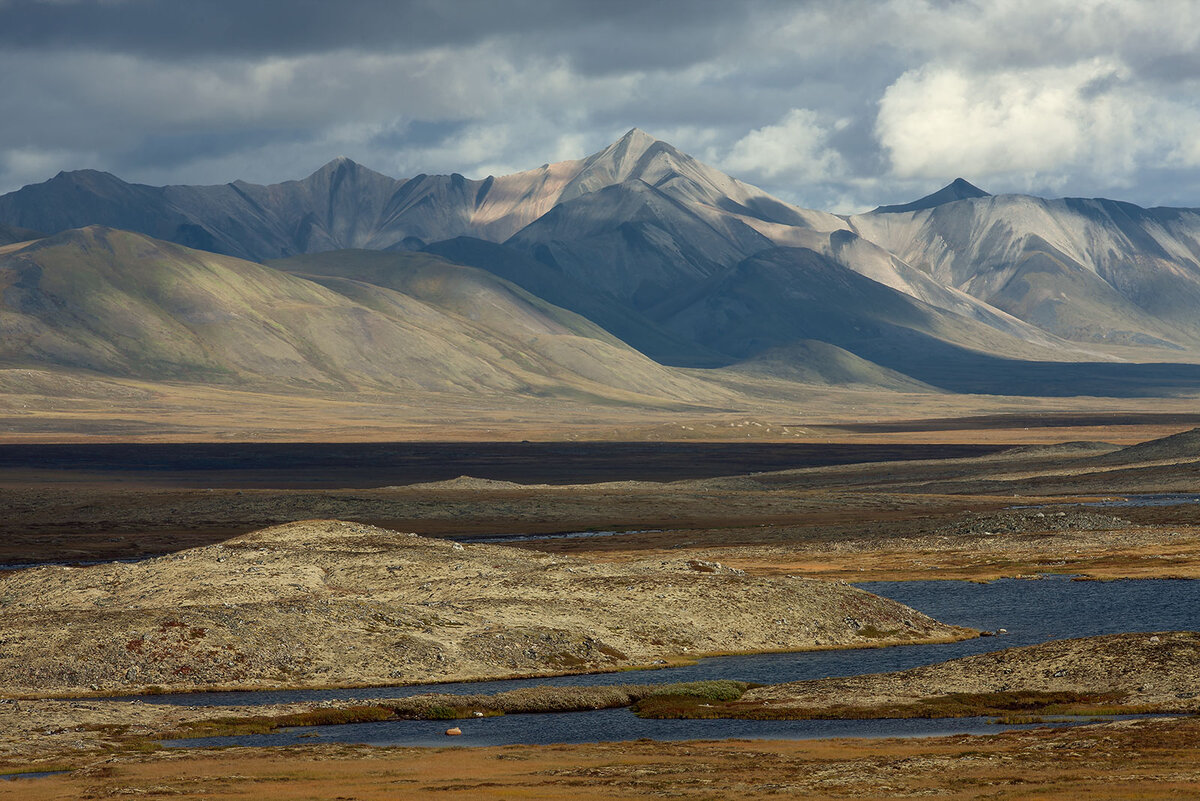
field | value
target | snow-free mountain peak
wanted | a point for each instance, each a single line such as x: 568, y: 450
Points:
x: 625, y: 159
x: 344, y: 204
x: 337, y: 163
x: 635, y: 140
x: 958, y: 189
x: 343, y: 165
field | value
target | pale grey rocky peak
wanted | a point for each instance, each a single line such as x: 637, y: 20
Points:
x: 339, y: 164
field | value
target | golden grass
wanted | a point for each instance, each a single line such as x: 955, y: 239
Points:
x: 181, y: 412
x: 264, y: 724
x: 49, y: 767
x: 1157, y: 759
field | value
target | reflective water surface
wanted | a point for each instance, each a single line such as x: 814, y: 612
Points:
x: 607, y: 725
x: 1033, y: 611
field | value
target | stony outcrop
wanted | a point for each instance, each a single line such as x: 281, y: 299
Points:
x: 1139, y: 670
x: 333, y: 603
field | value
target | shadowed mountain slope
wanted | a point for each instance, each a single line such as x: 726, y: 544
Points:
x: 491, y: 302
x: 785, y: 296
x: 123, y: 304
x: 1184, y: 446
x: 10, y: 234
x: 1087, y: 270
x: 551, y: 284
x: 636, y: 243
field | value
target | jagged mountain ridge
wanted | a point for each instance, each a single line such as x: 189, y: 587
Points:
x: 640, y: 235
x: 345, y: 205
x: 1087, y: 270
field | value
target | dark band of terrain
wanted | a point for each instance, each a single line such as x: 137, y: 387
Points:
x: 360, y: 465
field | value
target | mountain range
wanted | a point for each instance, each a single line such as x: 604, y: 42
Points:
x: 635, y: 275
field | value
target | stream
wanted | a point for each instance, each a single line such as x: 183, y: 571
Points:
x: 1032, y: 611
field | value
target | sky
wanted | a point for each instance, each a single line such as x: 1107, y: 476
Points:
x: 838, y: 105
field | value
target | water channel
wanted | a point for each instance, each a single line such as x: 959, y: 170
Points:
x: 1032, y: 611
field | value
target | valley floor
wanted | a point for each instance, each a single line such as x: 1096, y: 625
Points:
x: 39, y: 406
x: 1025, y: 510
x: 978, y: 516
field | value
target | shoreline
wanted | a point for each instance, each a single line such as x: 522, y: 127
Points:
x: 691, y: 659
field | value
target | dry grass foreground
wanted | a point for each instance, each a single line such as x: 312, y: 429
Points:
x: 323, y: 603
x: 1148, y: 759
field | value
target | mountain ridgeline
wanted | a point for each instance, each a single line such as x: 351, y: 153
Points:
x: 599, y: 276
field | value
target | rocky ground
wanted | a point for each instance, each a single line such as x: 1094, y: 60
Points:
x: 1138, y: 671
x: 322, y: 603
x: 710, y: 569
x: 977, y: 546
x: 38, y: 730
x: 1113, y: 674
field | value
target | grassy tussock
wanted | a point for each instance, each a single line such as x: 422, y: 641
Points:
x: 559, y: 699
x: 51, y: 767
x: 451, y: 707
x: 265, y: 724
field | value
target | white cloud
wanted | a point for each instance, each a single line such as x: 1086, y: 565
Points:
x: 1040, y: 125
x: 811, y: 101
x: 795, y: 149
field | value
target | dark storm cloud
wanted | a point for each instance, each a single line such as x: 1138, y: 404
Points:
x: 833, y: 104
x: 164, y: 150
x: 598, y: 36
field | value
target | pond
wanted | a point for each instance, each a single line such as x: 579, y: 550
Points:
x: 31, y: 774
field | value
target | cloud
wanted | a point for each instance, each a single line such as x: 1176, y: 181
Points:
x: 30, y: 164
x: 796, y: 149
x: 848, y: 102
x: 602, y: 37
x: 1040, y: 126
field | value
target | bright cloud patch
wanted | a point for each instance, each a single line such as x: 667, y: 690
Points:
x: 795, y: 148
x: 1039, y: 123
